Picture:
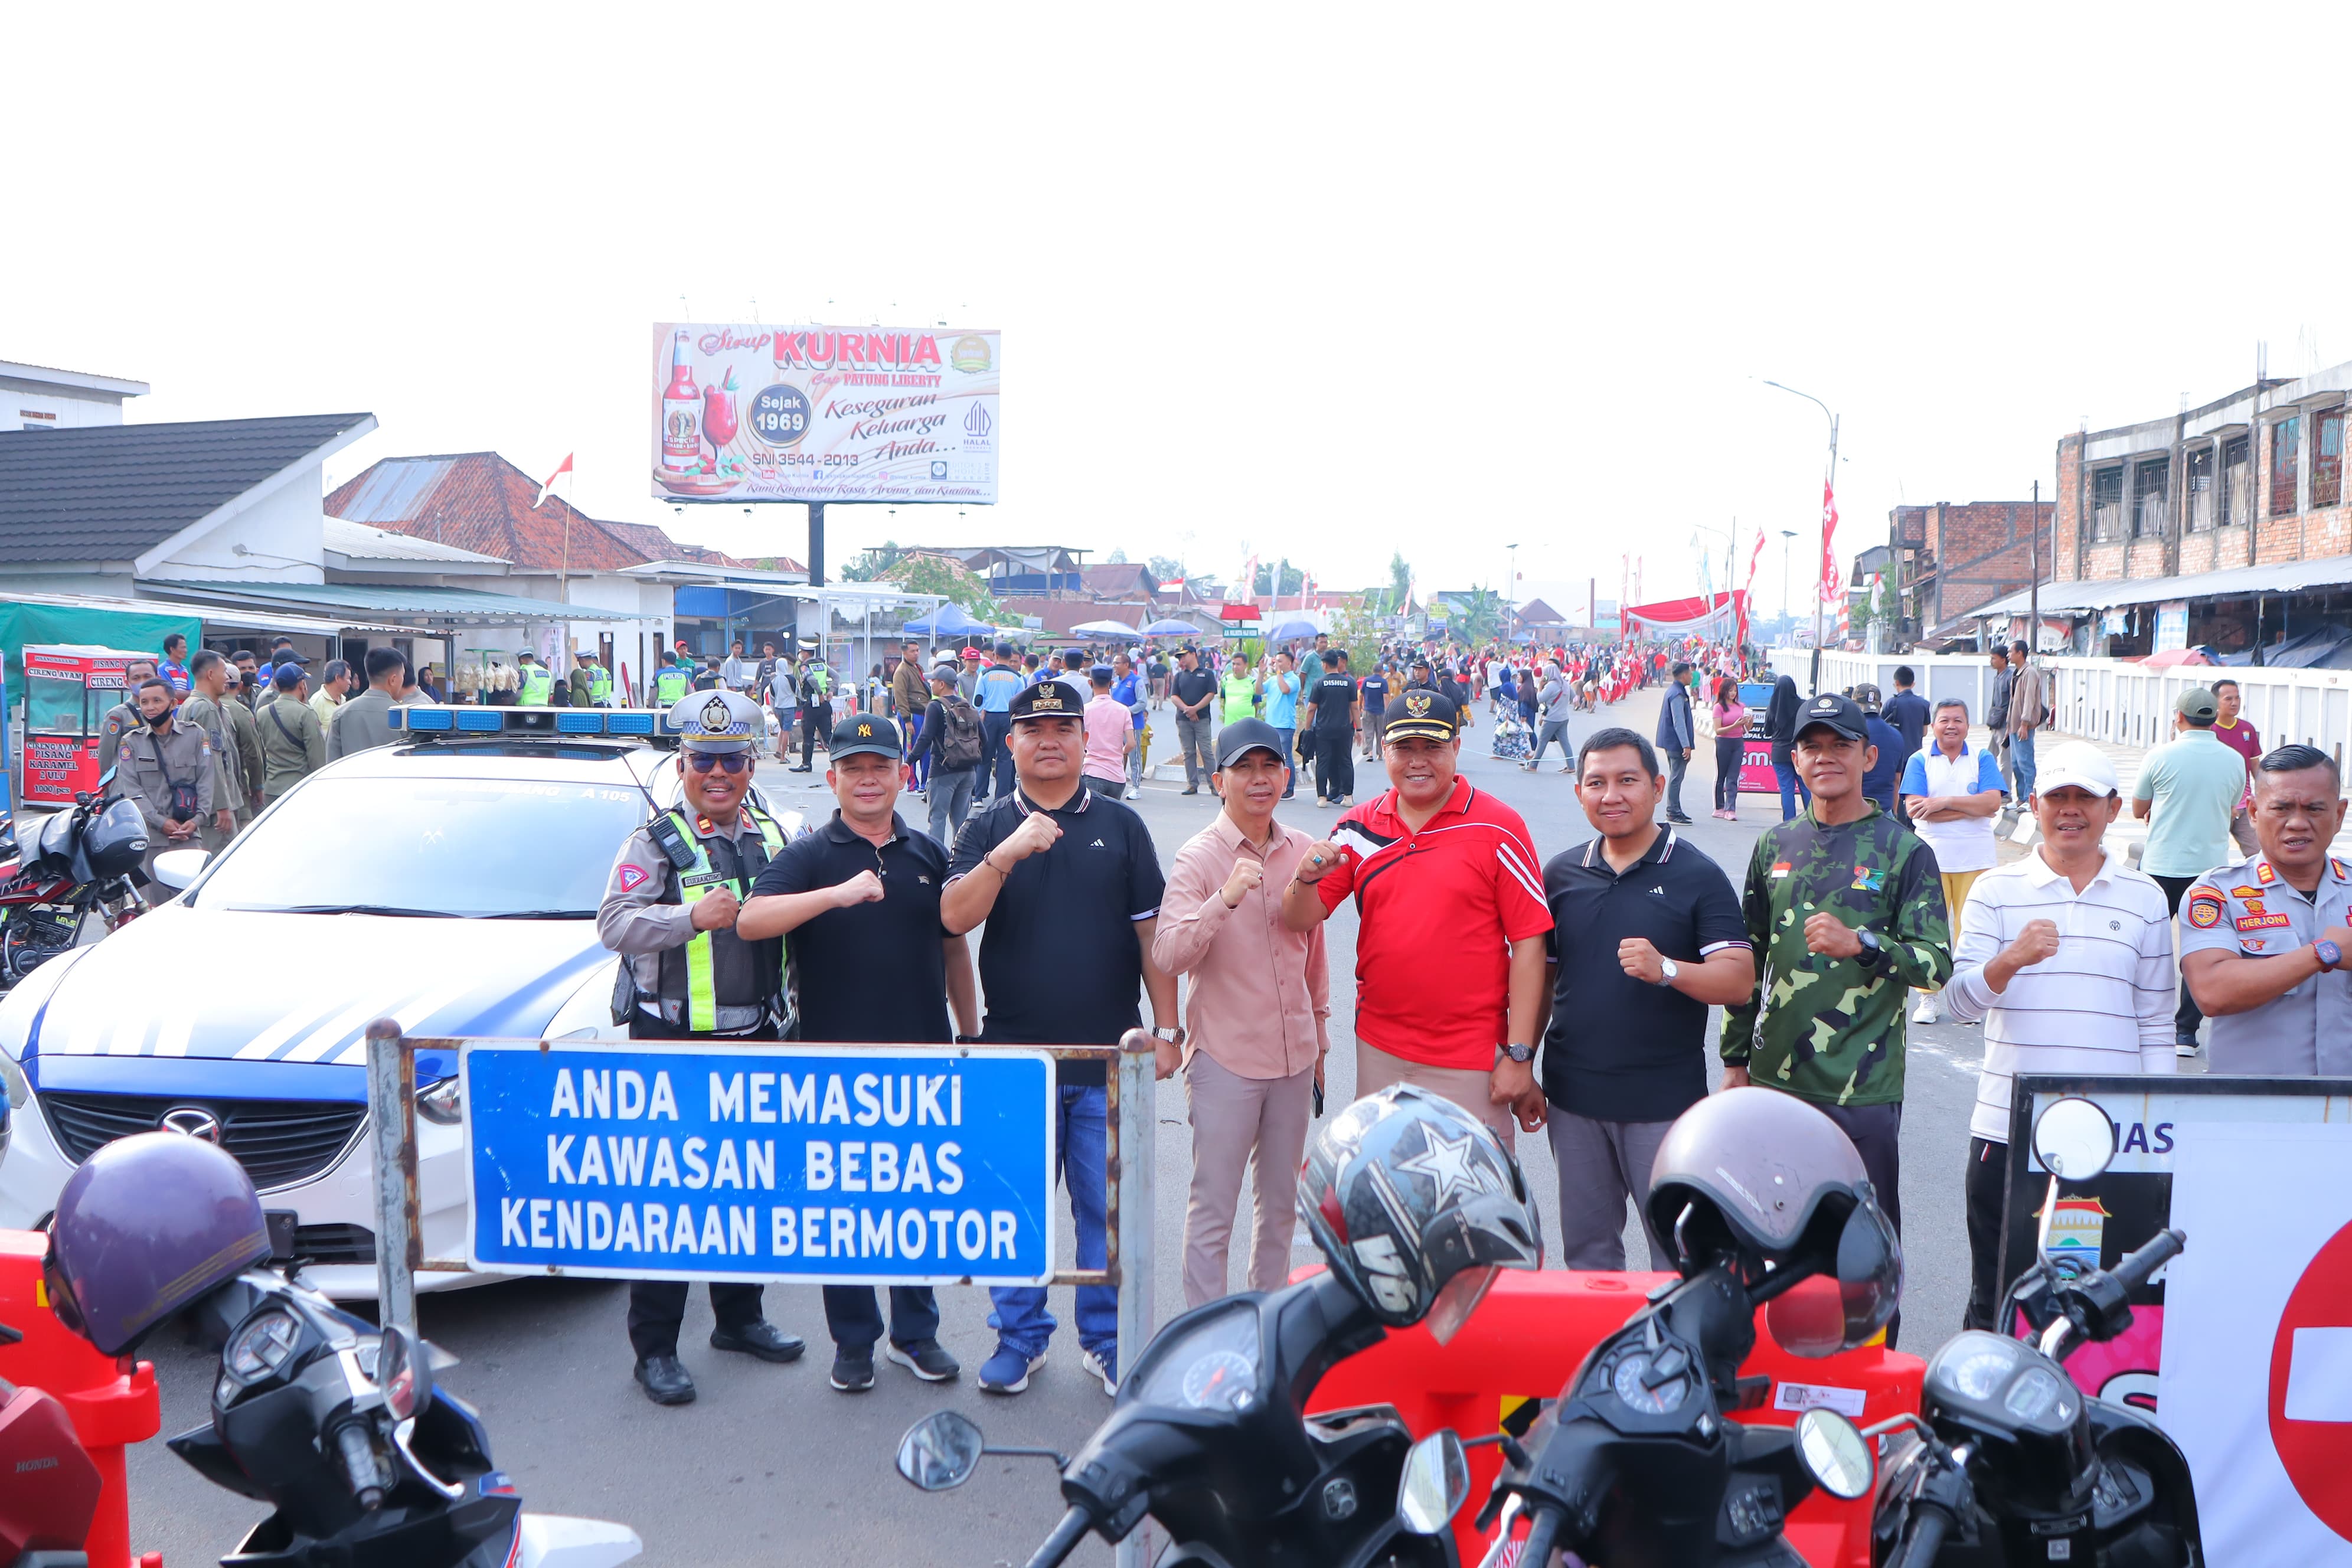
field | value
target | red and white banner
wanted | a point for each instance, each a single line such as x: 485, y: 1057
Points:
x: 1716, y: 616
x: 1748, y: 589
x: 1832, y: 582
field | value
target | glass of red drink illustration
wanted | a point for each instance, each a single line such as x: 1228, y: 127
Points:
x: 717, y: 420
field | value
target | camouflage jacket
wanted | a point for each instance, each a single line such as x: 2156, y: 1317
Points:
x: 1830, y: 1029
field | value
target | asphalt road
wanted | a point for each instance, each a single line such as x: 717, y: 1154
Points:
x: 771, y: 1465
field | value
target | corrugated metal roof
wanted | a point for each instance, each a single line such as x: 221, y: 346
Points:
x: 2233, y: 583
x: 394, y: 489
x: 359, y: 539
x: 442, y: 605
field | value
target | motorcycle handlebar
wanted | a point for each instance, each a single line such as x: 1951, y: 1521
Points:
x: 359, y: 1465
x: 1927, y: 1528
x: 2160, y: 1250
x: 1541, y: 1535
x: 1065, y: 1540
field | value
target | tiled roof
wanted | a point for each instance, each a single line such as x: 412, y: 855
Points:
x: 109, y: 492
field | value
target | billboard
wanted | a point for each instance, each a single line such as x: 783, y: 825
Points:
x: 824, y: 414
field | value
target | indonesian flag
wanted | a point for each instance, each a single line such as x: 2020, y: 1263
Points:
x: 1833, y: 586
x: 560, y: 469
x: 1748, y: 589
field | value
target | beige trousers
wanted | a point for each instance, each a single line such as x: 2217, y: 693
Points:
x: 1253, y: 1125
x: 1375, y: 1068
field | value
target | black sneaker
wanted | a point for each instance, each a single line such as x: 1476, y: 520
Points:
x: 853, y: 1368
x: 924, y: 1358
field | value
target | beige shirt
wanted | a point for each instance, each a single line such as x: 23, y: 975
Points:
x: 1258, y: 994
x: 634, y: 921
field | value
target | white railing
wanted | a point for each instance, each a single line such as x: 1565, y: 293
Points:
x: 2113, y: 700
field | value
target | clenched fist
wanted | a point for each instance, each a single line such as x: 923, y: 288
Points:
x: 1247, y: 875
x: 1036, y: 834
x: 1637, y: 958
x: 2037, y: 942
x: 1321, y: 858
x: 865, y: 887
x: 1831, y: 937
x: 716, y: 909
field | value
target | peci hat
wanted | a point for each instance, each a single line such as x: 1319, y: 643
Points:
x: 1835, y: 712
x: 2198, y: 705
x: 717, y: 722
x: 1045, y: 699
x: 1430, y: 715
x: 1243, y: 736
x: 2080, y: 765
x: 864, y: 732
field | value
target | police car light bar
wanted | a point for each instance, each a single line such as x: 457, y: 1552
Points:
x: 425, y: 720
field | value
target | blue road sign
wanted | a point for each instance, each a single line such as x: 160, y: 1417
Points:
x: 808, y: 1164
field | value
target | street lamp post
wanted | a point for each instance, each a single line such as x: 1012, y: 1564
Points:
x: 1829, y: 485
x: 1511, y: 595
x: 1787, y: 536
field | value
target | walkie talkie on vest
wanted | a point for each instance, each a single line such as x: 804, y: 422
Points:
x: 664, y: 831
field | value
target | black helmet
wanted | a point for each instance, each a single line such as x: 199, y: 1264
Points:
x: 147, y: 1224
x: 1768, y: 1177
x: 1416, y: 1204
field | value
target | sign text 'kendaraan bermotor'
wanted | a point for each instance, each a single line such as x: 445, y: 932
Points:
x: 782, y: 1163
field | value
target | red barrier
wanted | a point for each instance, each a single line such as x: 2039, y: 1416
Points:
x: 112, y: 1407
x: 1529, y: 1335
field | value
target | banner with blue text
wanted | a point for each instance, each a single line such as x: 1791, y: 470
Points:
x: 897, y: 1164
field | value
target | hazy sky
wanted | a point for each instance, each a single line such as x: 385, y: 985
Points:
x: 1322, y: 282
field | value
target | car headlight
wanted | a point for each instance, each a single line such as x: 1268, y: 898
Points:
x: 20, y: 1088
x: 443, y: 1102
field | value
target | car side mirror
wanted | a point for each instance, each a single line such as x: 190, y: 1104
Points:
x: 1835, y: 1454
x: 175, y: 869
x: 1435, y: 1484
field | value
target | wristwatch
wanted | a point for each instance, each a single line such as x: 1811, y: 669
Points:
x: 1874, y: 952
x: 1519, y: 1053
x: 1173, y: 1037
x: 1667, y: 971
x: 2329, y: 954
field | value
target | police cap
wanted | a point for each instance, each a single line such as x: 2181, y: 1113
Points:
x: 1046, y: 699
x: 1431, y: 715
x: 717, y: 722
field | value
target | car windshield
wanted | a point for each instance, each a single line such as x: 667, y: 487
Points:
x: 477, y: 848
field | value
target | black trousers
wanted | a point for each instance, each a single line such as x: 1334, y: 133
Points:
x: 854, y: 1316
x: 1986, y: 1186
x: 2187, y: 1015
x: 1335, y: 764
x: 1878, y: 1134
x: 996, y: 758
x: 656, y: 1307
x: 814, y: 720
x: 1728, y: 752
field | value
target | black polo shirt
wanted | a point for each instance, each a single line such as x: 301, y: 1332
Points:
x: 874, y: 971
x: 1334, y: 694
x: 1059, y: 963
x: 1192, y: 685
x: 1620, y: 1049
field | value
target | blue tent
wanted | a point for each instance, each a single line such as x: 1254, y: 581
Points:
x: 947, y: 621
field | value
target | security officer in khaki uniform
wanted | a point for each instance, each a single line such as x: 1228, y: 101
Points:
x: 669, y: 910
x: 123, y: 718
x: 207, y: 699
x: 2264, y: 940
x: 167, y: 768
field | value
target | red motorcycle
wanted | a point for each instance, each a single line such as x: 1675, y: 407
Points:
x: 76, y: 862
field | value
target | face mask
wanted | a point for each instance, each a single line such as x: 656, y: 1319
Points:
x: 160, y: 720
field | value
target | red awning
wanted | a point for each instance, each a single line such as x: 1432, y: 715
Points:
x: 1697, y: 615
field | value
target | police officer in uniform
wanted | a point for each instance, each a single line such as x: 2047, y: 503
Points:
x: 2263, y: 940
x: 534, y: 683
x: 669, y: 909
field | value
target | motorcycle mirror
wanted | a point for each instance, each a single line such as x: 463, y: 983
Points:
x: 1834, y: 1454
x: 175, y: 869
x: 404, y: 1374
x: 940, y: 1452
x: 2074, y: 1139
x: 1435, y: 1483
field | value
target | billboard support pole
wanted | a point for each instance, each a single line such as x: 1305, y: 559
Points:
x: 817, y: 544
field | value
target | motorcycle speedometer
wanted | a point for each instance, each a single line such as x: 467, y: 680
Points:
x: 261, y: 1347
x: 1213, y: 1363
x: 1973, y: 1366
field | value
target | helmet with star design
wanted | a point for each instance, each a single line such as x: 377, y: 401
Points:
x: 1416, y: 1205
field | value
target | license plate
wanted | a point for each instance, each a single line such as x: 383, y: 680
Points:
x: 281, y: 1223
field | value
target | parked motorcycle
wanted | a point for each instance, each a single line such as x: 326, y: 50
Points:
x: 1415, y: 1205
x: 334, y: 1422
x: 77, y: 861
x: 2008, y: 1461
x: 52, y: 1492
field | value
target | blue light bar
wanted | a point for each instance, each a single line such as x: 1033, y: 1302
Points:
x: 425, y: 719
x: 579, y: 721
x: 481, y: 721
x: 421, y: 720
x: 621, y: 721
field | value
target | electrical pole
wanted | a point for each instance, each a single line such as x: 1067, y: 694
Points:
x: 2033, y: 584
x: 1828, y: 492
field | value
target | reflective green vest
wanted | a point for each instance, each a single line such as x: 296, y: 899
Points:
x: 599, y: 685
x: 698, y: 881
x: 671, y: 685
x: 534, y: 683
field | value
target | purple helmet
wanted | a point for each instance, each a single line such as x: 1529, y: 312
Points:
x: 146, y: 1225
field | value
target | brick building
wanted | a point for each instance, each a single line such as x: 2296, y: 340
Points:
x: 1950, y: 560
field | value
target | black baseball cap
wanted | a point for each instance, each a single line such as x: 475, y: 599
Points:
x: 1243, y: 736
x: 1050, y: 698
x: 1842, y: 714
x: 1865, y: 697
x: 864, y: 732
x: 1420, y: 711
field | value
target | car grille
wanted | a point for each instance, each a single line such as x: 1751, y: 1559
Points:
x: 334, y: 1243
x: 278, y: 1141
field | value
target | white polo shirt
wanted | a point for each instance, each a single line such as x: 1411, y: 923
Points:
x: 2102, y: 1003
x: 1962, y: 843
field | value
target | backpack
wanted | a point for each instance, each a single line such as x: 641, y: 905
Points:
x: 958, y: 743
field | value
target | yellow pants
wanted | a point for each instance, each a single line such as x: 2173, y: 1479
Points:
x: 1955, y: 899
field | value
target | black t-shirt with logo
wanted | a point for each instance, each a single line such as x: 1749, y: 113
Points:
x: 1334, y: 694
x: 1059, y: 962
x: 1192, y: 685
x: 874, y: 971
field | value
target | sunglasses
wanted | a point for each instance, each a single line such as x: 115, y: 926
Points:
x: 730, y: 763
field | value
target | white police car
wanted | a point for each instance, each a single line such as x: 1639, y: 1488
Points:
x: 451, y: 884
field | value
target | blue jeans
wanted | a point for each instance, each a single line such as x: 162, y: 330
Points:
x: 1021, y: 1320
x: 1792, y: 791
x: 995, y: 757
x: 2021, y: 761
x: 1289, y: 761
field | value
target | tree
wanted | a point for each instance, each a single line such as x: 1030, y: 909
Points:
x: 873, y: 565
x: 1294, y: 579
x: 1482, y: 614
x: 1116, y: 558
x: 953, y: 580
x: 1400, y: 582
x: 1167, y: 568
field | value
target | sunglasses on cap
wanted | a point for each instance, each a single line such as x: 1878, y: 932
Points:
x: 730, y: 763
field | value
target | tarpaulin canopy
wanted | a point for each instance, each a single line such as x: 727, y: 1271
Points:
x: 947, y: 621
x: 1714, y: 615
x: 23, y: 623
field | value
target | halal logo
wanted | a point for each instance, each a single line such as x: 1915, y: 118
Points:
x: 977, y: 422
x: 715, y: 715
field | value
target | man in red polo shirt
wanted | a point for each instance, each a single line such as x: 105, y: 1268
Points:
x: 1438, y: 869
